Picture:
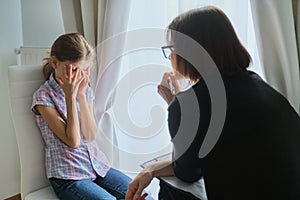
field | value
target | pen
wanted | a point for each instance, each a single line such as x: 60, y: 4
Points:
x: 172, y: 89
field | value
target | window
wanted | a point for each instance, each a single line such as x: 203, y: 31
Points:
x: 144, y: 103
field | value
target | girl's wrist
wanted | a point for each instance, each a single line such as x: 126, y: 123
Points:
x: 70, y: 97
x: 81, y: 96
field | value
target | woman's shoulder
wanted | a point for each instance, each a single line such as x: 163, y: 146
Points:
x: 192, y: 96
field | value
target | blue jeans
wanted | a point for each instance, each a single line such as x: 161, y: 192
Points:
x: 112, y: 186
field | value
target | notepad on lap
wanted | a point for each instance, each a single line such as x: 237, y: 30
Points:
x: 197, y: 188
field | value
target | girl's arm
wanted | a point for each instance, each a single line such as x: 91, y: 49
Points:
x: 67, y: 131
x: 87, y: 119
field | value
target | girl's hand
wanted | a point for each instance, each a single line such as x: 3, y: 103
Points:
x: 70, y: 81
x: 86, y: 79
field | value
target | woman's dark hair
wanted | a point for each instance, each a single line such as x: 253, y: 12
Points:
x: 68, y: 47
x: 211, y: 28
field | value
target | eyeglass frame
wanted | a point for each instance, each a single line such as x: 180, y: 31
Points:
x: 167, y: 47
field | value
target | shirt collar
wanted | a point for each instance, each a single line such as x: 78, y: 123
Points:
x: 53, y: 83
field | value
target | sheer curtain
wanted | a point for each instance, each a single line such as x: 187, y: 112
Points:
x: 276, y: 39
x: 105, y: 24
x: 112, y: 20
x: 98, y: 21
x: 133, y: 147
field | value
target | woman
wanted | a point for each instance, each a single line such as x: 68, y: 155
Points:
x: 257, y: 153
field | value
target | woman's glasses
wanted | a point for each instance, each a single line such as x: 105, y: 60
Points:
x: 167, y: 51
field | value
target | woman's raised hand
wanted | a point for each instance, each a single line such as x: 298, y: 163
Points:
x: 168, y: 87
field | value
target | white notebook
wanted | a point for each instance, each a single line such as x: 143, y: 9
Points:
x: 197, y: 188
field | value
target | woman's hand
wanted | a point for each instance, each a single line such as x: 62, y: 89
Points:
x: 161, y: 168
x: 70, y: 81
x: 136, y: 187
x: 165, y: 93
x: 168, y: 87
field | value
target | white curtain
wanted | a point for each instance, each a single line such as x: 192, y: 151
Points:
x: 99, y: 20
x: 159, y: 14
x: 277, y: 45
x: 102, y: 21
x: 72, y: 17
x: 112, y: 20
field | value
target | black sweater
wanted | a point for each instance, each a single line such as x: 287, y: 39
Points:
x: 257, y: 156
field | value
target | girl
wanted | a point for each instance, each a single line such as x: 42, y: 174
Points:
x: 63, y: 107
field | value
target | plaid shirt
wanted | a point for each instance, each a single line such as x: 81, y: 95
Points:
x: 61, y: 160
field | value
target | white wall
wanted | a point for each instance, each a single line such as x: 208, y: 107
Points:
x: 11, y: 37
x: 42, y: 22
x: 32, y: 23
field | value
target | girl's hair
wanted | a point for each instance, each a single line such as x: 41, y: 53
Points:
x: 68, y: 47
x: 211, y: 28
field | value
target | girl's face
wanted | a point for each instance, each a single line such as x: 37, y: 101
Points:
x: 62, y: 67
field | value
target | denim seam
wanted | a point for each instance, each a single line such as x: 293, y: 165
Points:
x: 108, y: 186
x: 77, y: 194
